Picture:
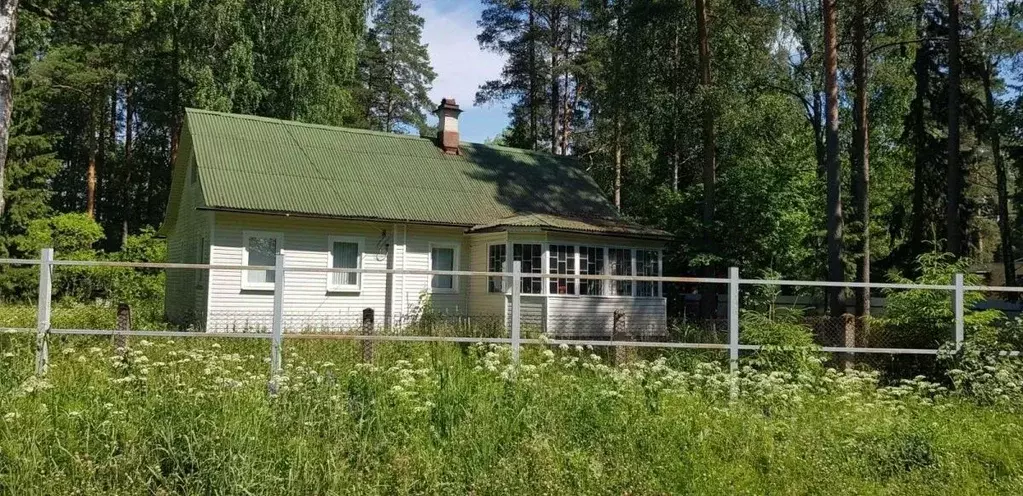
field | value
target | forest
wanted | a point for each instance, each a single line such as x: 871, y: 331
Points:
x: 810, y: 139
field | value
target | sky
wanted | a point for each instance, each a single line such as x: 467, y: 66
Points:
x: 450, y: 35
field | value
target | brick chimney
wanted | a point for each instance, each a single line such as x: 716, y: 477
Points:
x: 447, y: 115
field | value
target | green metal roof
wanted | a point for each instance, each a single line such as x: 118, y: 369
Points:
x: 259, y: 164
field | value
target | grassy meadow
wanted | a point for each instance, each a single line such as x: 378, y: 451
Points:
x: 193, y: 416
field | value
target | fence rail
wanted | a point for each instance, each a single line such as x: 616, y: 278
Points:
x: 512, y: 279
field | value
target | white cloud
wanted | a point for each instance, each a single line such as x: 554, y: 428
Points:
x: 450, y: 33
x: 461, y: 67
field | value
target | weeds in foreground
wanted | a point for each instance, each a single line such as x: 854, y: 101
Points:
x: 194, y: 417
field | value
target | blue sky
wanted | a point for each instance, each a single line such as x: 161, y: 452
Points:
x: 450, y: 34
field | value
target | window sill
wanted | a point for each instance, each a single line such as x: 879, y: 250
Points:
x: 344, y: 290
x: 443, y: 291
x: 258, y: 287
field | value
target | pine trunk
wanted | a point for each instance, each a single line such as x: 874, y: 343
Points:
x: 129, y: 135
x: 90, y: 173
x: 709, y: 138
x: 8, y: 26
x: 834, y: 198
x: 1001, y: 179
x: 555, y: 85
x: 920, y: 151
x: 953, y: 214
x: 861, y: 162
x: 618, y: 163
x: 533, y: 70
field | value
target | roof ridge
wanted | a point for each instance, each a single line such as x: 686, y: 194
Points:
x: 286, y: 122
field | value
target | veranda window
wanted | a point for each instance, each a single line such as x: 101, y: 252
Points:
x: 647, y: 265
x: 591, y: 262
x: 620, y: 260
x: 496, y: 256
x: 562, y: 261
x: 531, y: 256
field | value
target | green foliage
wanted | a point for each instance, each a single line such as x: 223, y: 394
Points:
x: 786, y: 344
x: 193, y: 416
x: 923, y: 318
x: 71, y: 236
x: 395, y: 68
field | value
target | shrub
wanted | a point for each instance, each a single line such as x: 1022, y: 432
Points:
x: 786, y: 345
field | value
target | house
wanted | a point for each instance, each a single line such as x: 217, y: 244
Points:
x: 245, y: 188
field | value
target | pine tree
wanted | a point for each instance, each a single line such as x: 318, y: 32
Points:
x: 396, y: 68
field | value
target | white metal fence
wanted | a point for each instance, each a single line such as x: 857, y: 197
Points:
x: 512, y: 322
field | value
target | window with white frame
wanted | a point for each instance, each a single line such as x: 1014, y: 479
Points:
x: 647, y: 265
x: 531, y: 256
x: 562, y: 261
x: 442, y: 257
x: 591, y: 262
x: 496, y: 256
x: 260, y: 248
x: 345, y: 253
x: 620, y: 264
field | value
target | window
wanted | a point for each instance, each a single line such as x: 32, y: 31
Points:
x: 591, y: 262
x: 260, y: 248
x: 193, y: 174
x: 621, y: 265
x: 443, y: 258
x: 345, y: 253
x: 562, y: 261
x: 531, y: 256
x: 496, y: 256
x: 647, y: 265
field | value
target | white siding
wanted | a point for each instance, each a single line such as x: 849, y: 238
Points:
x: 186, y: 289
x: 307, y: 303
x: 309, y: 306
x: 593, y: 316
x: 483, y: 303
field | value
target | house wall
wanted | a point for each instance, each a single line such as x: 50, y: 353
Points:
x: 307, y: 303
x: 593, y: 316
x: 484, y: 303
x: 189, y: 242
x: 587, y: 316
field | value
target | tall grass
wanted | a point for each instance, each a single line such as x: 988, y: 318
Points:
x: 194, y: 417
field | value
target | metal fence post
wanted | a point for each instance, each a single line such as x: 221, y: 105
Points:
x: 959, y: 303
x: 43, y: 313
x: 278, y: 322
x: 733, y: 318
x: 516, y: 307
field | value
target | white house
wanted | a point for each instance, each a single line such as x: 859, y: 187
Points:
x: 245, y: 188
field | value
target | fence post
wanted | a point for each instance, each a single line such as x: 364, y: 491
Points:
x: 367, y: 329
x: 733, y: 318
x: 959, y: 302
x: 278, y: 322
x: 123, y: 324
x: 516, y: 306
x: 43, y: 313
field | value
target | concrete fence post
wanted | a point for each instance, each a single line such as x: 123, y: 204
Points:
x: 43, y: 311
x: 733, y: 318
x: 120, y: 341
x: 516, y: 310
x: 276, y: 330
x: 367, y: 330
x: 958, y: 304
